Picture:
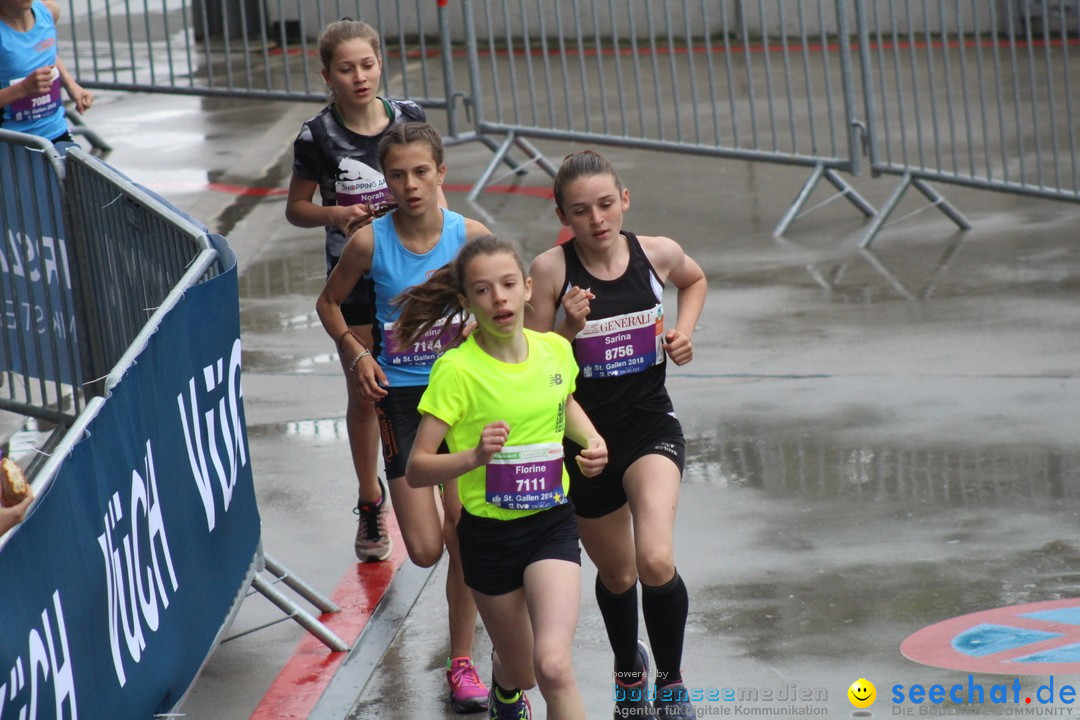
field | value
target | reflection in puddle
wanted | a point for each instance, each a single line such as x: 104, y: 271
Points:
x: 272, y: 319
x: 271, y: 362
x: 318, y: 430
x: 976, y: 477
x: 840, y: 551
x: 300, y: 273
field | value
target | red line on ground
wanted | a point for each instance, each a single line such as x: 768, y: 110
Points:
x: 307, y: 674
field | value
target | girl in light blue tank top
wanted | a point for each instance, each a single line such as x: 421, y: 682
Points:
x: 31, y: 75
x: 394, y: 269
x: 398, y: 251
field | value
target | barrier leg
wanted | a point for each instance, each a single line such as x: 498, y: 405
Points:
x: 941, y: 203
x: 461, y: 139
x: 886, y: 211
x: 935, y: 198
x: 485, y: 176
x: 800, y: 200
x: 308, y: 621
x: 849, y: 192
x: 845, y: 191
x: 512, y: 139
x: 537, y: 156
x: 300, y: 586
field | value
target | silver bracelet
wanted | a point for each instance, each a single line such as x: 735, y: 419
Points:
x: 352, y: 366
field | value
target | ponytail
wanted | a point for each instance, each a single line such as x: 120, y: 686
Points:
x: 422, y: 306
x: 439, y: 297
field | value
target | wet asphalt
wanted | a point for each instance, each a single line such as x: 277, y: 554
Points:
x: 877, y: 440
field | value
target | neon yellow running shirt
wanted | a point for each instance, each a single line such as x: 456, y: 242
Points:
x: 470, y: 389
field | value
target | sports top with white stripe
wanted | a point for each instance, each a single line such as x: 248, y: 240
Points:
x: 620, y: 350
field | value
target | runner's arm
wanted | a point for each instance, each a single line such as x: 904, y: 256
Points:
x: 302, y: 211
x: 427, y: 466
x: 675, y: 266
x: 82, y: 97
x: 356, y: 359
x: 579, y: 428
x: 39, y: 82
x: 540, y: 313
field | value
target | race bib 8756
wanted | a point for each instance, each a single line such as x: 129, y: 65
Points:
x: 622, y: 344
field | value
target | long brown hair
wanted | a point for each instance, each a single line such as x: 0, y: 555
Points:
x: 422, y: 306
x: 582, y: 164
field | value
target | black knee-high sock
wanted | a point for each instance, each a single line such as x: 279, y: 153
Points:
x: 621, y: 621
x: 665, y: 609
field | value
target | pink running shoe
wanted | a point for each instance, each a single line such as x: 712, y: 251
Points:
x: 468, y: 694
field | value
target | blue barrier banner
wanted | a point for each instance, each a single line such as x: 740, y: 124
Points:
x: 38, y: 325
x: 113, y: 591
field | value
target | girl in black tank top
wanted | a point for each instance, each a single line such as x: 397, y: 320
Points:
x: 604, y: 292
x: 620, y: 351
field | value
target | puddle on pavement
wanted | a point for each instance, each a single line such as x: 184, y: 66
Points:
x: 837, y: 552
x: 276, y: 362
x: 268, y: 288
x: 953, y: 268
x: 300, y: 272
x: 318, y: 431
x: 998, y: 476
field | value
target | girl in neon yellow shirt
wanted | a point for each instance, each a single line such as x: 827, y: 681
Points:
x: 503, y: 402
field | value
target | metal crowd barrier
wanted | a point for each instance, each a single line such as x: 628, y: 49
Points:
x: 100, y: 276
x: 130, y: 251
x: 968, y: 92
x: 39, y: 323
x: 977, y: 94
x: 243, y: 48
x: 752, y: 81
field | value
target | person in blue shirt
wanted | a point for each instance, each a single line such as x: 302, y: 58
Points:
x: 31, y: 72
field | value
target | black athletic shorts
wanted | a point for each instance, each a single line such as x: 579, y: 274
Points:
x: 628, y: 439
x: 359, y: 307
x: 398, y: 421
x: 495, y: 553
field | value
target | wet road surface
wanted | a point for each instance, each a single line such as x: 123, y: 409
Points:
x: 877, y: 440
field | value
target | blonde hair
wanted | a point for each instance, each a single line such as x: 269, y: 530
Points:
x: 438, y: 297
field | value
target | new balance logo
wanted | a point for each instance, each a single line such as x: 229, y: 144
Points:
x: 555, y: 379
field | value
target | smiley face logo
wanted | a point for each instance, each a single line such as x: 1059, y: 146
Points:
x: 862, y: 693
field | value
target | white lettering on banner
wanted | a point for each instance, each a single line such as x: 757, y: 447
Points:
x: 226, y: 417
x: 139, y: 576
x: 44, y: 662
x: 33, y: 319
x: 23, y: 248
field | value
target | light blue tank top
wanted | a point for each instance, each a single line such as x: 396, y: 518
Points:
x: 20, y: 54
x: 393, y: 269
